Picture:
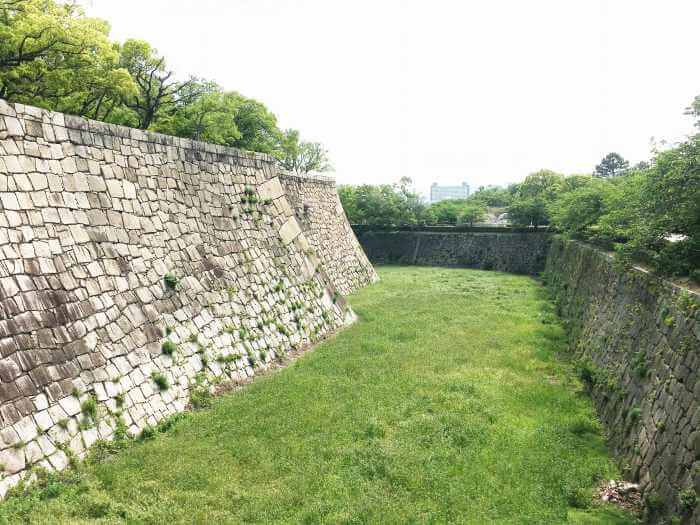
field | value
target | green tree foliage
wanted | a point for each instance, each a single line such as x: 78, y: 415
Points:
x: 399, y: 205
x: 612, y: 165
x: 382, y: 205
x: 694, y: 110
x: 53, y: 56
x: 447, y: 211
x: 455, y: 211
x: 159, y: 94
x: 649, y: 214
x: 208, y: 116
x: 494, y: 196
x: 529, y: 206
x: 300, y: 156
x: 580, y: 205
x: 667, y: 230
x: 471, y: 214
x: 257, y: 125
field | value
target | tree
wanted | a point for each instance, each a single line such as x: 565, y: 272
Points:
x: 208, y: 116
x: 528, y: 212
x: 302, y: 157
x: 257, y: 126
x: 492, y: 196
x: 158, y: 94
x: 694, y: 110
x: 447, y: 211
x: 670, y: 206
x: 533, y: 195
x: 471, y: 214
x: 544, y: 184
x: 52, y: 56
x: 382, y: 205
x: 612, y: 165
x: 579, y: 208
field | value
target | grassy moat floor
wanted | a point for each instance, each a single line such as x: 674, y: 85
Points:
x: 444, y: 403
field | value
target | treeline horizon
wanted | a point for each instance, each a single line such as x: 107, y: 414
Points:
x: 648, y: 213
x: 55, y: 57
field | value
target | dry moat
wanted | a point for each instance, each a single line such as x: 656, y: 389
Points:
x: 446, y: 402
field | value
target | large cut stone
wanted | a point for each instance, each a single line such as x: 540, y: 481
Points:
x: 272, y: 189
x: 12, y: 459
x: 289, y: 230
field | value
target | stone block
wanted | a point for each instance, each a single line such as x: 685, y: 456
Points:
x: 289, y: 230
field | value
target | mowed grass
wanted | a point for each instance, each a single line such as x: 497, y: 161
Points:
x: 444, y: 403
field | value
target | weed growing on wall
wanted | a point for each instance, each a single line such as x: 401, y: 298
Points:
x: 161, y: 381
x: 171, y: 281
x: 168, y: 348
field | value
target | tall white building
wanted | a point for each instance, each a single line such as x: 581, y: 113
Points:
x: 441, y: 193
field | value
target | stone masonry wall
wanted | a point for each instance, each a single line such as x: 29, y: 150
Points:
x: 523, y: 253
x: 322, y: 218
x: 637, y: 343
x: 135, y: 265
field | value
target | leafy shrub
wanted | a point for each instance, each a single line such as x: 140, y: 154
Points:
x: 89, y: 408
x: 168, y: 347
x: 688, y: 499
x: 585, y: 372
x: 635, y: 413
x: 201, y: 397
x: 171, y: 281
x: 160, y: 380
x: 148, y: 432
x: 639, y: 365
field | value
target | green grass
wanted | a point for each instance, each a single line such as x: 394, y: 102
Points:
x: 445, y: 403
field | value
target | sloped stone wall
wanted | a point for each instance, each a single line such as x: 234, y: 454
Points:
x: 637, y: 343
x: 322, y: 218
x: 119, y: 246
x: 514, y: 252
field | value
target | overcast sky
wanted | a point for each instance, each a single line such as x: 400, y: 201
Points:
x: 443, y: 90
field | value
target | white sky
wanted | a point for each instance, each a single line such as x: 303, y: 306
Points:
x: 443, y: 90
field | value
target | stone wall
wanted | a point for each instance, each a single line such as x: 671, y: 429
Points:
x: 120, y: 247
x: 637, y: 343
x: 322, y: 218
x: 516, y: 252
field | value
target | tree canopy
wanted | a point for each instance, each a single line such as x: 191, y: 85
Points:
x: 300, y: 156
x: 55, y: 57
x: 648, y: 213
x: 612, y: 165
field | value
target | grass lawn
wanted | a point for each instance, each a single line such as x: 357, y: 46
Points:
x: 445, y: 403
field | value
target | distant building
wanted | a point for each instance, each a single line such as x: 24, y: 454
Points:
x: 442, y: 193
